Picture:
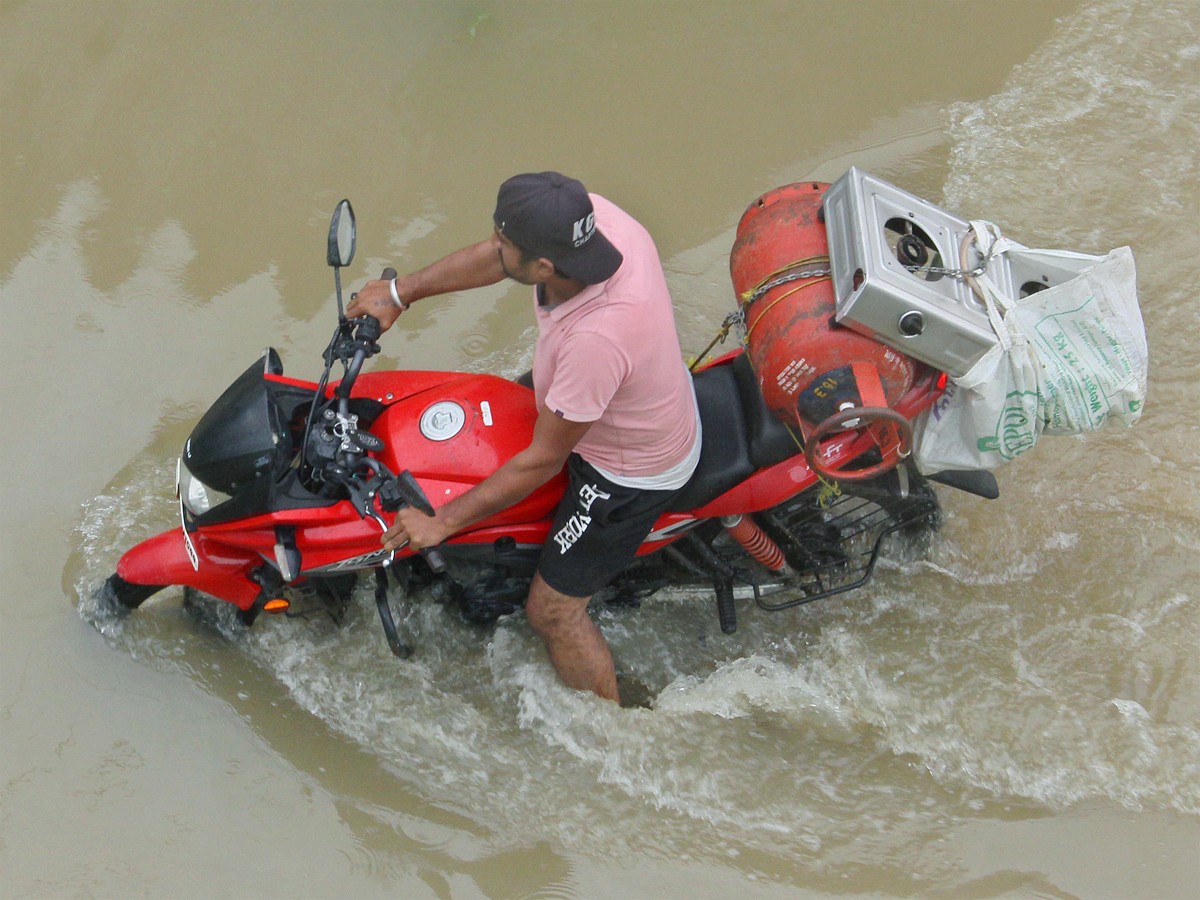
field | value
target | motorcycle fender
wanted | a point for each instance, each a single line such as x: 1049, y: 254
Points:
x: 164, y: 560
x: 762, y: 490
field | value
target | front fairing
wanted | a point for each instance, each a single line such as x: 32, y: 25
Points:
x: 238, y: 439
x: 245, y: 445
x: 451, y: 430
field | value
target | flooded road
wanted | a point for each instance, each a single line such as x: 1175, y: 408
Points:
x: 1014, y: 713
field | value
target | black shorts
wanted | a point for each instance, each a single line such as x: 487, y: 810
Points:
x: 597, y: 531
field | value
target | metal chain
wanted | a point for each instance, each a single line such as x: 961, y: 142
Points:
x: 953, y: 273
x: 738, y: 316
x: 785, y: 279
x: 958, y: 273
x: 820, y: 273
x: 737, y: 319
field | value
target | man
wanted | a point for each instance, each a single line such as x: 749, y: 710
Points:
x: 615, y: 402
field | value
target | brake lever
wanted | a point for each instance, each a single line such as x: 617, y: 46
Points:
x: 403, y: 490
x: 399, y: 648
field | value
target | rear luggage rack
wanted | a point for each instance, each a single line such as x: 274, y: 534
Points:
x: 834, y: 543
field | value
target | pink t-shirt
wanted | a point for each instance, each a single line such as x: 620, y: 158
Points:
x: 610, y: 355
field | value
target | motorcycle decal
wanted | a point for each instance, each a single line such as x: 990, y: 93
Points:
x: 671, y: 531
x: 485, y: 410
x: 443, y: 420
x: 363, y: 561
x: 193, y: 556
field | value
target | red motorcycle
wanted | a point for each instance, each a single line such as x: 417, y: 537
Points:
x: 286, y: 486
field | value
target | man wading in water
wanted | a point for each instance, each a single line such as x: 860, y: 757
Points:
x: 615, y: 401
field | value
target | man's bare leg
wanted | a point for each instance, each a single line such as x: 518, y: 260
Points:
x: 577, y: 649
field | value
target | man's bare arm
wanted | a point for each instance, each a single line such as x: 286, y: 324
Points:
x: 553, y: 440
x: 475, y: 266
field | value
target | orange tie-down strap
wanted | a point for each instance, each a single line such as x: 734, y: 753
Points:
x: 870, y: 390
x: 870, y: 386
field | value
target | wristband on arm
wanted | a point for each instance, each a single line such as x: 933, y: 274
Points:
x: 396, y: 296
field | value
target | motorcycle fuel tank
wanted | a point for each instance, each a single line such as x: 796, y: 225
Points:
x: 454, y: 434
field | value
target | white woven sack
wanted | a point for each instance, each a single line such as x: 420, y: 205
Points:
x: 1090, y: 340
x: 1068, y: 359
x: 986, y: 417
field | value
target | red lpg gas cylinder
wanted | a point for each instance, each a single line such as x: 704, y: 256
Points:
x: 808, y: 366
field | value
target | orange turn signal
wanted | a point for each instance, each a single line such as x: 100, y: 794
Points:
x: 277, y: 605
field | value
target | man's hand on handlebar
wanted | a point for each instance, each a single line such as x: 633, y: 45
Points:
x: 414, y: 528
x: 375, y: 299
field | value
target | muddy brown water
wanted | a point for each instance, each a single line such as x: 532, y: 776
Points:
x: 1014, y: 713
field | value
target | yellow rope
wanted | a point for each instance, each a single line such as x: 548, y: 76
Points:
x: 802, y: 286
x: 719, y: 339
x: 830, y: 491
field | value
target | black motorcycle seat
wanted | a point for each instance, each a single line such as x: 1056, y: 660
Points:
x: 740, y: 435
x: 771, y: 441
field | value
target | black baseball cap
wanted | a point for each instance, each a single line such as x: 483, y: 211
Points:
x: 551, y: 216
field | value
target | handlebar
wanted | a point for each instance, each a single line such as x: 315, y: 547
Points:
x: 367, y: 332
x: 405, y: 491
x: 406, y: 484
x: 360, y: 335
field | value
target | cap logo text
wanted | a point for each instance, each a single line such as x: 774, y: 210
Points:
x: 583, y: 229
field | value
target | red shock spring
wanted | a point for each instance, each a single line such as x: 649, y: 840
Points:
x: 755, y: 541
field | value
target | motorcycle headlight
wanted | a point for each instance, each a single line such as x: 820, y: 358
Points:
x: 195, y: 495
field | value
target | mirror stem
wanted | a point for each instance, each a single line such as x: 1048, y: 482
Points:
x: 337, y: 283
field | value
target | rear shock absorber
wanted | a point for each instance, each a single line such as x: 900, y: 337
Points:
x: 755, y: 542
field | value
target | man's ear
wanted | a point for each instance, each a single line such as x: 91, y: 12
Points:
x: 543, y: 269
